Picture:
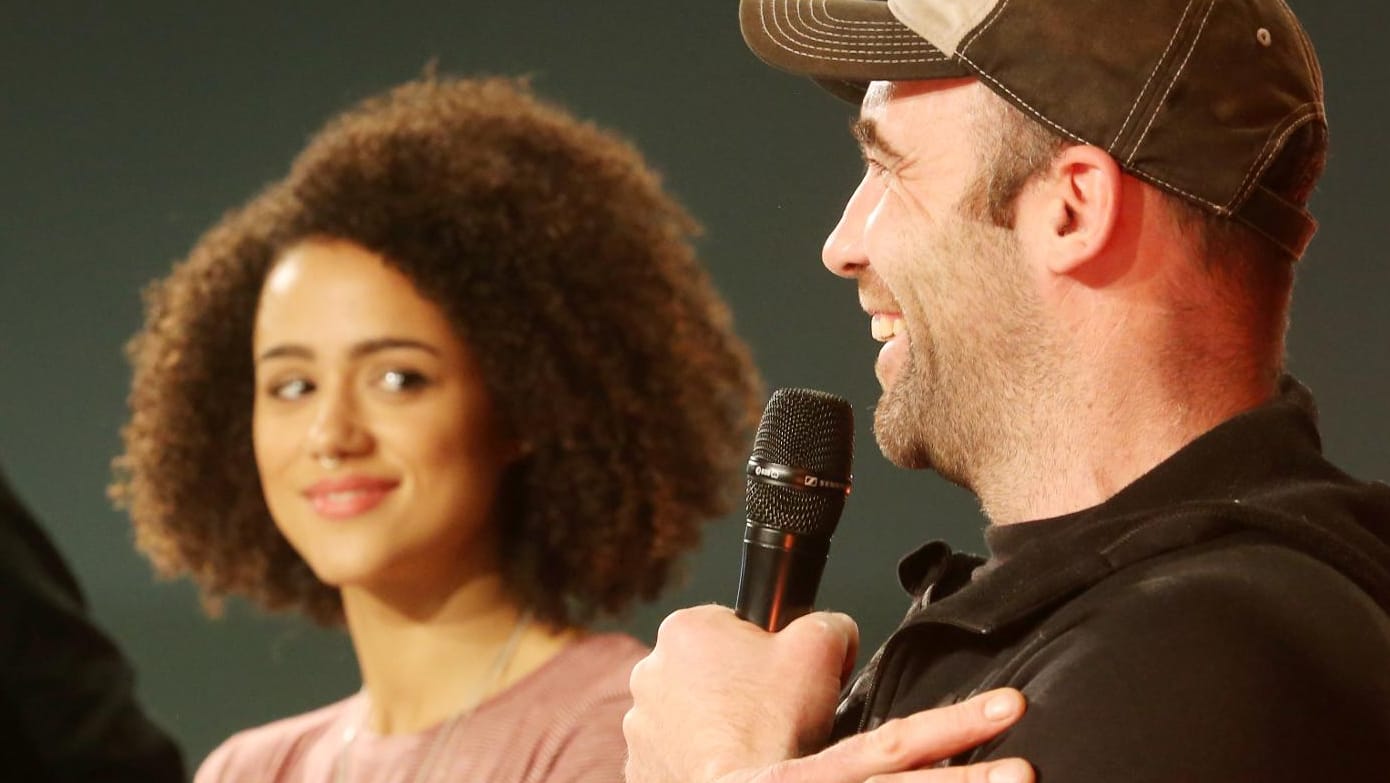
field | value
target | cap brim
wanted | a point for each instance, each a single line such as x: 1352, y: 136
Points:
x: 842, y: 44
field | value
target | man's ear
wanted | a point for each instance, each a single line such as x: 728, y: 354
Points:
x: 1078, y: 203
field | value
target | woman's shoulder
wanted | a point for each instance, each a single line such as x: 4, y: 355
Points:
x: 271, y: 752
x: 594, y: 669
x: 574, y: 709
x: 587, y: 678
x: 598, y: 654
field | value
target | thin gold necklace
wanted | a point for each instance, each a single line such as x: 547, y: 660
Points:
x: 441, y: 736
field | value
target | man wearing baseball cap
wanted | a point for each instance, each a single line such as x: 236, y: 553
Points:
x: 1076, y: 238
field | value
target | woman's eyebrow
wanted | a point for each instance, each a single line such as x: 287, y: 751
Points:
x: 285, y: 351
x: 364, y: 348
x: 387, y: 343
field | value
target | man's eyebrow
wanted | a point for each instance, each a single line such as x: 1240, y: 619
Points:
x: 865, y: 131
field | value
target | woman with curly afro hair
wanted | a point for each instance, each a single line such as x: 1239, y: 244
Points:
x: 458, y: 383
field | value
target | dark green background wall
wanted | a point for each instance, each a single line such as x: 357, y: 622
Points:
x: 124, y: 133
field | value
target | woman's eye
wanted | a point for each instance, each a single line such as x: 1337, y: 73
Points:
x: 403, y: 380
x: 291, y: 389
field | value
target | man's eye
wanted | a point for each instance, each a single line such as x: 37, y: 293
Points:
x: 291, y: 389
x: 403, y: 380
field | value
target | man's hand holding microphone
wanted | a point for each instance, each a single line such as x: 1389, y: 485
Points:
x: 749, y: 695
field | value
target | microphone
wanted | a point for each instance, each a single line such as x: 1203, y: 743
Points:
x: 798, y: 478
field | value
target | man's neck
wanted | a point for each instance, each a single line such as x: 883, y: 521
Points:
x: 1097, y: 441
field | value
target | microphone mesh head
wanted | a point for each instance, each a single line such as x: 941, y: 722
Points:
x: 812, y: 431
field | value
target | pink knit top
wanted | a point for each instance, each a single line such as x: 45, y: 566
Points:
x: 561, y: 724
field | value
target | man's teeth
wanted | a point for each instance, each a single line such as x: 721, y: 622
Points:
x: 886, y: 327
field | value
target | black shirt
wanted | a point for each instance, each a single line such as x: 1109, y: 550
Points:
x: 67, y: 705
x: 1226, y: 617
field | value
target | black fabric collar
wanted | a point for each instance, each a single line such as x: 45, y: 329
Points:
x: 1228, y: 479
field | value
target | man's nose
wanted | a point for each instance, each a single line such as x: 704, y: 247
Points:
x: 843, y: 253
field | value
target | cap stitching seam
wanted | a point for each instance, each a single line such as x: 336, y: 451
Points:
x: 1158, y: 107
x: 824, y: 6
x: 899, y: 33
x: 784, y: 41
x: 962, y: 55
x: 1157, y: 180
x: 1250, y: 177
x: 1149, y: 176
x: 1039, y: 115
x: 1159, y: 64
x: 1252, y: 225
x: 810, y: 31
x: 988, y: 23
x: 1296, y: 119
x: 787, y: 42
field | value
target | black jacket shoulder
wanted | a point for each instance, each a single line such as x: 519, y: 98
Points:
x: 1199, y: 663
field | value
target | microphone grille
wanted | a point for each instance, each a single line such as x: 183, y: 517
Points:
x: 812, y: 431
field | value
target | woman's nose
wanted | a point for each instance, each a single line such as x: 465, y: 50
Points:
x: 337, y: 432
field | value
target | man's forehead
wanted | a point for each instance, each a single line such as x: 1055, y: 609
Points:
x: 893, y: 111
x: 882, y: 94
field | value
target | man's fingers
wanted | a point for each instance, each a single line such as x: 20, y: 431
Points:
x: 681, y: 623
x: 851, y: 649
x: 835, y: 625
x: 934, y: 735
x: 912, y: 742
x: 829, y: 634
x: 1003, y: 771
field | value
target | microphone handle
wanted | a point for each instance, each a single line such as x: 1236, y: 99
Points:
x: 779, y: 575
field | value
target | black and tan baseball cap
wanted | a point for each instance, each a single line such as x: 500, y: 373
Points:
x: 1217, y: 101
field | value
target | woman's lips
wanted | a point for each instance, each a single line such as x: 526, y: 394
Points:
x: 349, y: 496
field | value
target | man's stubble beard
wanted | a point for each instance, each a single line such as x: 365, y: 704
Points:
x: 971, y: 371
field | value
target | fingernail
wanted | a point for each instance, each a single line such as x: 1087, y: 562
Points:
x: 1000, y: 707
x: 1010, y: 771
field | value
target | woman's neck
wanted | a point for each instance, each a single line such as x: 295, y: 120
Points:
x: 423, y: 662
